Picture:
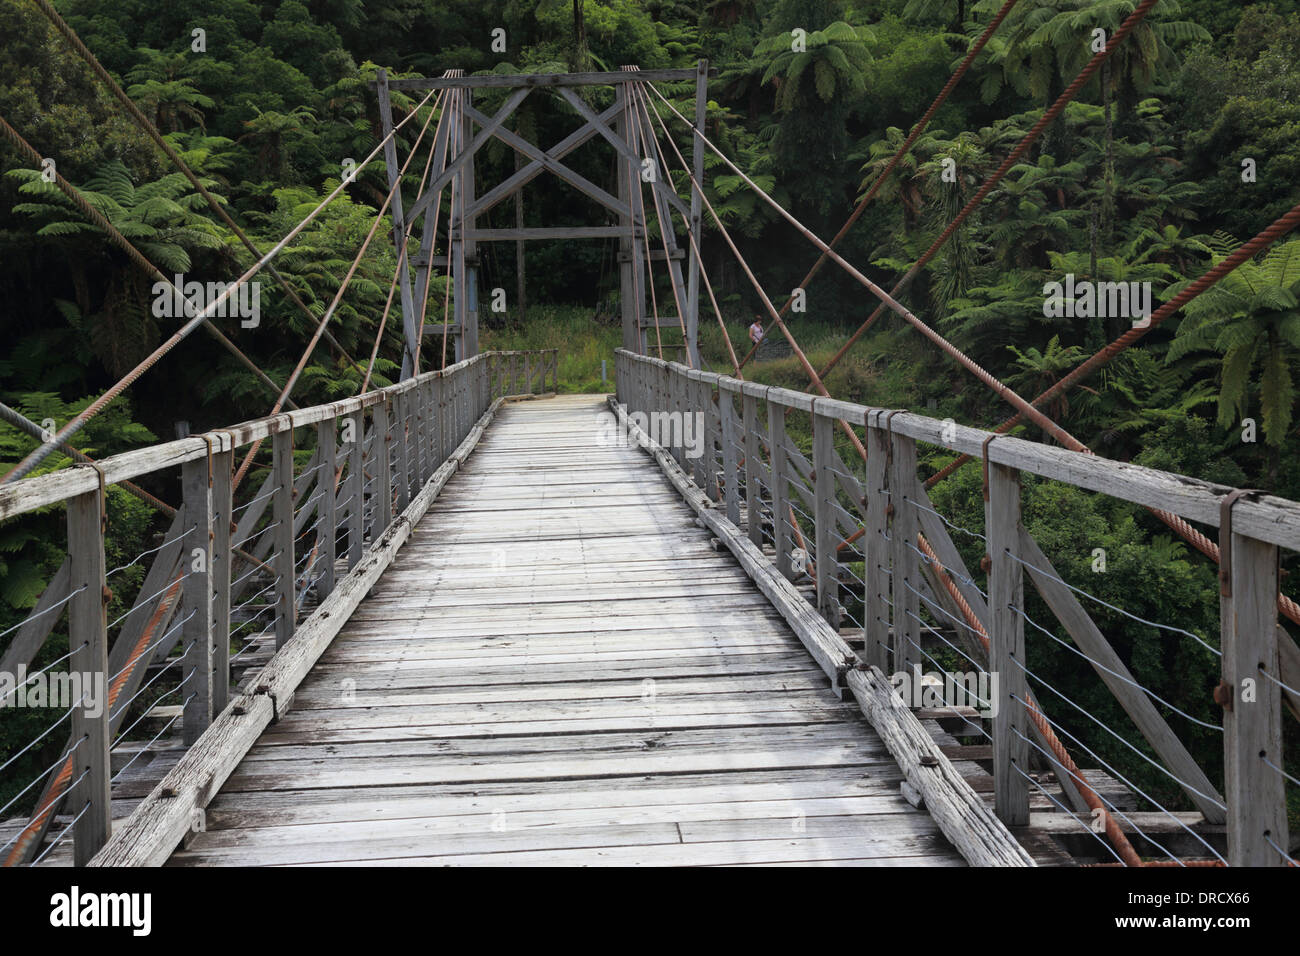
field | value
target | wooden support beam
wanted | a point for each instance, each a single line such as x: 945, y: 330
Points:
x: 753, y: 469
x: 410, y: 330
x: 628, y: 147
x: 489, y: 128
x: 356, y: 479
x: 220, y: 569
x: 526, y: 174
x: 282, y: 515
x: 1116, y: 676
x: 905, y: 579
x: 196, y: 601
x: 1007, y: 646
x: 89, y: 797
x: 558, y: 80
x: 730, y: 456
x: 548, y: 232
x: 382, y: 491
x: 695, y: 221
x: 877, y: 552
x: 327, y: 534
x: 566, y: 173
x: 825, y: 534
x: 777, y: 486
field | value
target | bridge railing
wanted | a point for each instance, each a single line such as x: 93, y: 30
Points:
x: 154, y: 640
x: 882, y: 564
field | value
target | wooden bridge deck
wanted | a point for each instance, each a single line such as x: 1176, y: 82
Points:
x: 559, y: 669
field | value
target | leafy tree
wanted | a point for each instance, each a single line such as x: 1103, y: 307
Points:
x: 816, y: 75
x: 160, y: 218
x: 1251, y: 318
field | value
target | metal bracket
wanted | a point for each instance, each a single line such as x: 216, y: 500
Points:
x: 103, y: 493
x: 984, y: 455
x: 1225, y: 536
x: 889, y: 432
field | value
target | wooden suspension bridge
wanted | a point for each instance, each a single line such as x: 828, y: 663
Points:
x: 466, y: 619
x: 560, y: 647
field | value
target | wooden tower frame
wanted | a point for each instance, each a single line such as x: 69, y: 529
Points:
x: 632, y: 141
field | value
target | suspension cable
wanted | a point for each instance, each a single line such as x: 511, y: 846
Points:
x: 898, y: 155
x: 78, y: 422
x: 338, y: 296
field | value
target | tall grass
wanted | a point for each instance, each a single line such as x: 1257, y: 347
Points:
x: 581, y: 341
x: 877, y: 371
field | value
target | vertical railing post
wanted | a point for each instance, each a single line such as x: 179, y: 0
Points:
x: 1007, y: 646
x: 439, y: 423
x: 282, y: 533
x: 778, y: 489
x: 905, y: 579
x: 730, y: 460
x: 753, y: 466
x: 88, y: 641
x: 458, y: 406
x: 196, y: 600
x: 402, y: 446
x: 824, y: 536
x: 418, y: 444
x: 876, y: 549
x: 430, y: 393
x: 1254, y: 792
x: 528, y: 374
x: 356, y: 485
x: 327, y: 514
x: 708, y: 464
x: 383, y: 469
x: 219, y: 569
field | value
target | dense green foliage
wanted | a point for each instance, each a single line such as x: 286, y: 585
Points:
x: 1143, y: 179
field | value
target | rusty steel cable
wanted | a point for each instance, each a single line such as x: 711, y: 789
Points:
x: 115, y: 236
x: 151, y: 129
x: 338, y: 297
x: 902, y: 151
x: 1114, y: 832
x: 1280, y: 227
x: 1136, y: 17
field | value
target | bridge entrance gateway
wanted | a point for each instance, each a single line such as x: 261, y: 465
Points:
x: 468, y: 619
x: 622, y: 125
